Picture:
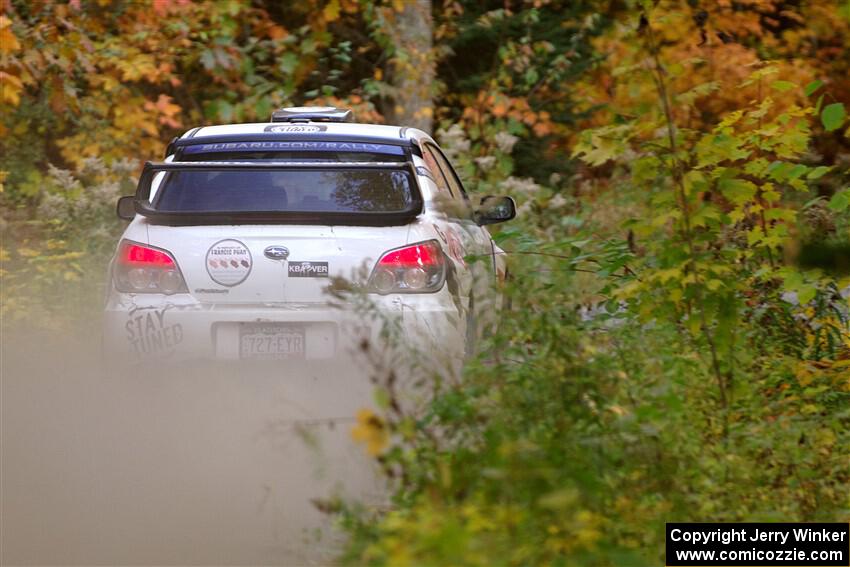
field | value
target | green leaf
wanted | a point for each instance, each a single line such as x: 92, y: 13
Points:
x: 778, y: 170
x: 812, y: 87
x: 811, y: 202
x: 780, y: 214
x: 208, y: 60
x: 288, y: 62
x: 756, y: 166
x: 715, y: 148
x: 738, y: 191
x: 818, y: 172
x: 783, y: 86
x: 705, y: 214
x: 797, y: 171
x: 695, y: 181
x: 806, y: 293
x: 602, y: 144
x: 697, y: 92
x: 225, y: 111
x: 263, y: 107
x: 832, y: 116
x: 840, y: 201
x: 382, y: 398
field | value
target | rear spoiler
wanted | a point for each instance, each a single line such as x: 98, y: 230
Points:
x: 143, y: 206
x: 300, y: 141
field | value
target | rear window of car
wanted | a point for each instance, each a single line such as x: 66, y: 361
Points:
x: 340, y: 190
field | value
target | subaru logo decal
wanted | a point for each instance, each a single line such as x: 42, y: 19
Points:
x: 277, y: 252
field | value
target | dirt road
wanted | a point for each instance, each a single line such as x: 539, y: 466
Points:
x: 189, y: 465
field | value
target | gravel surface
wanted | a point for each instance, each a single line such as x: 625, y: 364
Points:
x: 182, y: 464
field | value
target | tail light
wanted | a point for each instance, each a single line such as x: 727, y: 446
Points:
x: 417, y: 268
x: 144, y: 269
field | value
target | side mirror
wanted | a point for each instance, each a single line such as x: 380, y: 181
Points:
x: 494, y: 210
x: 126, y: 207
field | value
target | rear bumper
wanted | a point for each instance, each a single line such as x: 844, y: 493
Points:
x: 140, y: 327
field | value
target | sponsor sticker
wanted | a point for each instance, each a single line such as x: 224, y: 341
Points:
x: 228, y: 262
x: 289, y: 145
x: 308, y: 269
x: 453, y: 242
x: 295, y: 128
x: 150, y: 334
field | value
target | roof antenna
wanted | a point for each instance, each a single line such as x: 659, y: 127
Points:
x: 313, y: 114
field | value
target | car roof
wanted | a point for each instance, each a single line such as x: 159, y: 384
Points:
x: 327, y: 129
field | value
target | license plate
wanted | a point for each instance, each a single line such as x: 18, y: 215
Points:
x: 269, y: 341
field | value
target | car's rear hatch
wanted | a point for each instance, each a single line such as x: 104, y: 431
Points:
x: 284, y: 263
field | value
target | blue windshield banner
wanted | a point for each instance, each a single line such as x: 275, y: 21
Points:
x: 294, y: 146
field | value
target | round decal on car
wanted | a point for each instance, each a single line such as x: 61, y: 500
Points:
x: 228, y: 262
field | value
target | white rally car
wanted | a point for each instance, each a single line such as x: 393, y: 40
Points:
x: 236, y: 237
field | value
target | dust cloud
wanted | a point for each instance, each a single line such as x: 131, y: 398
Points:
x: 208, y: 463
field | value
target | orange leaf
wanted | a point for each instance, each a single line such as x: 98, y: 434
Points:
x: 8, y: 40
x: 277, y: 32
x: 542, y: 128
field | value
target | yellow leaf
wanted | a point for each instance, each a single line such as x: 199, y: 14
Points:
x: 803, y: 375
x: 371, y: 430
x: 10, y: 88
x: 331, y: 11
x: 666, y: 275
x: 676, y: 295
x: 693, y: 325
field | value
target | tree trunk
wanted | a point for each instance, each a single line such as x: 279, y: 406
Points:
x: 411, y: 69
